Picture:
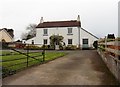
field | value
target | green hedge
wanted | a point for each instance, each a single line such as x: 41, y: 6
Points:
x: 32, y: 47
x: 71, y: 47
x: 46, y: 47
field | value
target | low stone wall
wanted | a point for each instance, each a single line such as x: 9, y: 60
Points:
x: 112, y: 63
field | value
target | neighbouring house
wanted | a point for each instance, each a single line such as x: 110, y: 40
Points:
x: 6, y: 35
x: 71, y: 31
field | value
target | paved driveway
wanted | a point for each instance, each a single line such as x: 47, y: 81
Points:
x: 77, y: 68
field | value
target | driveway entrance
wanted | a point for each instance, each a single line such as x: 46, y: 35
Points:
x: 83, y: 67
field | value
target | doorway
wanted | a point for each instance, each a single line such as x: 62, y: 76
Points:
x: 85, y: 43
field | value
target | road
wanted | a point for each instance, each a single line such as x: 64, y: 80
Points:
x: 77, y: 68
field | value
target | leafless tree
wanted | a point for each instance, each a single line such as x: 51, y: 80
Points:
x: 31, y: 32
x: 24, y: 36
x: 32, y: 29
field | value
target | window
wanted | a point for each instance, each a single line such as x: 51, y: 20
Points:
x: 45, y: 32
x: 45, y: 41
x: 69, y: 30
x: 69, y: 41
x: 85, y: 41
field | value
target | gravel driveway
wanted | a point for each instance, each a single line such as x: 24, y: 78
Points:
x: 83, y: 67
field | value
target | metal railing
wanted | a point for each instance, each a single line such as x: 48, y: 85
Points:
x: 21, y: 59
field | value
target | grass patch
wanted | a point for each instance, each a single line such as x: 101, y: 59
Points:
x: 16, y: 61
x: 4, y: 53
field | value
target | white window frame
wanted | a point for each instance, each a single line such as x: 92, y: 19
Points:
x: 44, y: 41
x: 45, y: 32
x: 70, y: 30
x: 85, y: 41
x: 71, y: 42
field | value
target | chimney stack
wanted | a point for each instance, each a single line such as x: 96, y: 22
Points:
x: 41, y: 20
x: 78, y: 18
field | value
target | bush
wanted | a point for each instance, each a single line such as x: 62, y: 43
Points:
x: 4, y: 45
x: 32, y: 47
x: 6, y: 72
x: 95, y: 44
x: 71, y: 47
x: 46, y: 47
x: 102, y: 47
x: 61, y: 47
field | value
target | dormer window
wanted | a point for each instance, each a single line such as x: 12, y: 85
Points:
x: 70, y: 31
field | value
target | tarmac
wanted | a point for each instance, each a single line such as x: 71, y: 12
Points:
x: 84, y: 67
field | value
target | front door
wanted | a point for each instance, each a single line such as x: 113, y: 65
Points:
x: 56, y: 45
x: 85, y: 43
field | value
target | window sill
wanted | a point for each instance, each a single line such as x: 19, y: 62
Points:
x: 69, y: 34
x: 45, y: 34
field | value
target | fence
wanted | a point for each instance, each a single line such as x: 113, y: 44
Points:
x: 109, y: 49
x: 14, y: 60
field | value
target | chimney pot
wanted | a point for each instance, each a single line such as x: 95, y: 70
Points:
x: 78, y: 18
x: 41, y: 20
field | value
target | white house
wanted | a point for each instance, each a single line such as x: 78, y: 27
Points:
x: 71, y: 31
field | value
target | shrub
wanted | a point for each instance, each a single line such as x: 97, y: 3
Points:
x: 32, y: 47
x: 55, y: 39
x: 95, y: 44
x: 4, y: 45
x: 61, y: 47
x: 6, y: 72
x: 46, y: 47
x: 71, y: 47
x: 102, y: 47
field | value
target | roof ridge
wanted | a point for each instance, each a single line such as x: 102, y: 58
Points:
x: 60, y: 21
x: 70, y: 23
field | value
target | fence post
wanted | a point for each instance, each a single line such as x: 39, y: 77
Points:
x: 27, y: 54
x: 105, y: 42
x: 116, y: 48
x: 43, y: 53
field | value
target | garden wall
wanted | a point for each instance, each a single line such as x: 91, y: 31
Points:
x: 110, y: 54
x: 112, y: 64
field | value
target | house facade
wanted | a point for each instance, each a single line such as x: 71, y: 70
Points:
x: 71, y: 32
x: 6, y: 35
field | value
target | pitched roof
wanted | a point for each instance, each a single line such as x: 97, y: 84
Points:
x: 90, y: 33
x: 8, y: 31
x: 72, y: 23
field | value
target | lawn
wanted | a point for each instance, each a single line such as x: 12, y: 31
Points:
x: 16, y: 61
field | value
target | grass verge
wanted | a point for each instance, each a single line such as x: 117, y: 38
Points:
x: 13, y: 63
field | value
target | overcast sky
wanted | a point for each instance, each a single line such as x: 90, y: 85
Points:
x: 99, y: 17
